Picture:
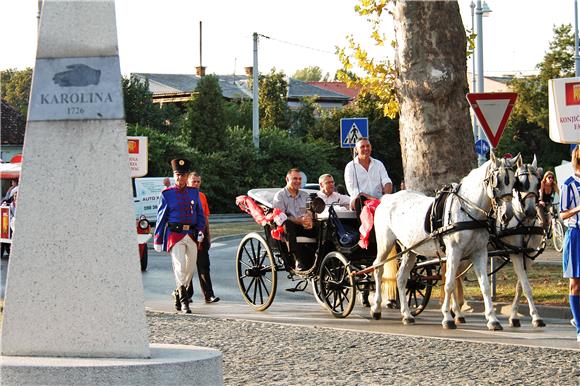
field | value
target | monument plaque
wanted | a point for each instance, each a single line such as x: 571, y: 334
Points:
x: 76, y: 89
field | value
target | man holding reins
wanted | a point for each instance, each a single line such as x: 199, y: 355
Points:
x: 365, y: 177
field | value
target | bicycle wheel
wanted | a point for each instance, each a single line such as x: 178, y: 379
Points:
x: 558, y: 235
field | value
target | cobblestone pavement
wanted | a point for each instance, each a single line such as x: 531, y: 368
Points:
x: 257, y: 353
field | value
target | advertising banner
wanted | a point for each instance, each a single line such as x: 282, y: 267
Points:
x: 564, y: 104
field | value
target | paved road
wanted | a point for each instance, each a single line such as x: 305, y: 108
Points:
x: 302, y: 309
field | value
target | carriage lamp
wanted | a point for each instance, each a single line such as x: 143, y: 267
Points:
x: 143, y: 223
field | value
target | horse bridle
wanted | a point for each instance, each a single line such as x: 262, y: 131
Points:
x: 492, y: 180
x: 524, y: 189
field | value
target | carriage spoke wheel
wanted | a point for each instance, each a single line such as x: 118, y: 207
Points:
x: 256, y: 272
x: 419, y: 287
x: 558, y: 235
x: 315, y: 284
x: 337, y: 285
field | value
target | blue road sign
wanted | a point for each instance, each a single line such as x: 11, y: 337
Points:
x: 482, y: 147
x: 351, y: 129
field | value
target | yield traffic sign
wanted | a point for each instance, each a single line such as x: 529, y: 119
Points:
x: 492, y: 110
x: 351, y: 129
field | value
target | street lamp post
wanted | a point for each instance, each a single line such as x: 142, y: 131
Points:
x: 480, y: 11
x: 473, y: 79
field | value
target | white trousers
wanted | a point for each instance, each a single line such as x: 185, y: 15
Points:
x: 183, y: 259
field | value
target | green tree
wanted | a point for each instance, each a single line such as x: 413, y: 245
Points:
x: 206, y: 125
x: 304, y: 119
x: 527, y: 131
x: 139, y: 106
x: 426, y: 85
x: 308, y: 74
x: 273, y: 90
x: 15, y: 86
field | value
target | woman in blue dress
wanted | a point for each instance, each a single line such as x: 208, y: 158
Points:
x: 570, y: 213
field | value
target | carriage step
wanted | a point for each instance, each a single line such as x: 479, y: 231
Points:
x: 301, y: 286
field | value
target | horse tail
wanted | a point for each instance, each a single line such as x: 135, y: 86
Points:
x: 389, y: 281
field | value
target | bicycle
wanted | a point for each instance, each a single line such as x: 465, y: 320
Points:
x: 557, y: 228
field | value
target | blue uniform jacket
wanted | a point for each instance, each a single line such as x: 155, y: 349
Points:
x: 178, y: 206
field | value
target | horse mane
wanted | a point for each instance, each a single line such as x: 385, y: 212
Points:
x: 477, y: 174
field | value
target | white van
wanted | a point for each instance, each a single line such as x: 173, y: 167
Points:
x: 146, y: 196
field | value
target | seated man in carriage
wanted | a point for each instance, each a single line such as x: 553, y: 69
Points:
x: 292, y: 201
x: 329, y: 195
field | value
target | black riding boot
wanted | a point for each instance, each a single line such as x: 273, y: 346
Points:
x: 183, y: 298
x: 175, y: 295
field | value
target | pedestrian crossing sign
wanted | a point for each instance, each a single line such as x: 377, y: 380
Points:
x: 351, y: 130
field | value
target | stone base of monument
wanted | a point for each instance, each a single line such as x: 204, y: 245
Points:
x: 168, y: 365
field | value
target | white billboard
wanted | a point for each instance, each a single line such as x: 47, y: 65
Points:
x: 564, y: 104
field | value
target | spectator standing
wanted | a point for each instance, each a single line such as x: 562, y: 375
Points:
x: 180, y: 226
x: 570, y: 213
x: 203, y: 251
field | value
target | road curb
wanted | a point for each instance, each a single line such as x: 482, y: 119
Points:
x: 552, y: 312
x: 228, y: 237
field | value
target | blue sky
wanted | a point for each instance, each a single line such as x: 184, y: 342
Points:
x: 163, y: 35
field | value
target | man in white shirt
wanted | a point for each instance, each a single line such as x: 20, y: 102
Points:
x: 365, y: 177
x: 329, y: 195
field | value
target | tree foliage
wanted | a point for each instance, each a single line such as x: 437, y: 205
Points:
x: 206, y: 126
x: 15, y: 86
x: 139, y: 107
x: 527, y: 131
x: 273, y: 90
x: 308, y: 74
x: 380, y: 75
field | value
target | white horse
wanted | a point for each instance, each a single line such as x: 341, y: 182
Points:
x: 401, y: 217
x: 523, y: 234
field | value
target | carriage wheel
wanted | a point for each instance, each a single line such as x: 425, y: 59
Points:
x: 256, y: 271
x: 558, y: 235
x: 337, y: 285
x: 315, y: 284
x: 419, y: 287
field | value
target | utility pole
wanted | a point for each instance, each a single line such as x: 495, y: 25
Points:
x: 255, y: 105
x: 576, y: 48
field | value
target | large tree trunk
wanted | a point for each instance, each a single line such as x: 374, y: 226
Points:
x: 436, y: 135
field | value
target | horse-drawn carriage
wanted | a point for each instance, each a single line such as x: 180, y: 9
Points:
x: 334, y: 257
x: 480, y: 205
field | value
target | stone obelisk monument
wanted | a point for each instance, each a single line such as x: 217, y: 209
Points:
x: 74, y: 285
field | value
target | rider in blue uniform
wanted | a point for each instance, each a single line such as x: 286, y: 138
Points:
x: 180, y: 226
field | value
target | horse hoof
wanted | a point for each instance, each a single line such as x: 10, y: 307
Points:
x: 494, y: 326
x: 407, y: 321
x: 449, y: 325
x: 376, y: 315
x: 460, y: 320
x: 538, y: 323
x: 515, y: 323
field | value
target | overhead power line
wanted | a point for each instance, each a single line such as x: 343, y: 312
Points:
x: 300, y: 45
